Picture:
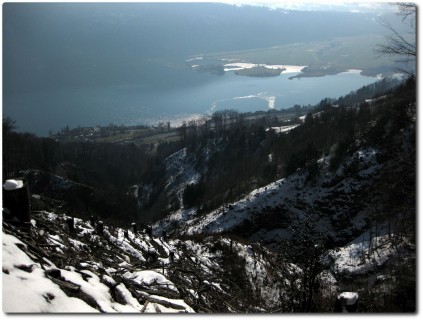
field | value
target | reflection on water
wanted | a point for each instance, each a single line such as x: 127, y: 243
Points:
x: 140, y: 104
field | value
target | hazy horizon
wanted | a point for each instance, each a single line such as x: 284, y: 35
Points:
x: 49, y: 48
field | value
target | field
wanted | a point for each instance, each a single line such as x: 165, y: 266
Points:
x: 141, y: 137
x: 347, y: 52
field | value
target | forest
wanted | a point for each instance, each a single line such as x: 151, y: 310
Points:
x: 238, y: 163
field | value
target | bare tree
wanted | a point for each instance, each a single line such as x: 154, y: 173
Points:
x: 398, y: 44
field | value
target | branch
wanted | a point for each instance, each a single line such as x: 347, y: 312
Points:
x: 407, y: 9
x: 396, y: 43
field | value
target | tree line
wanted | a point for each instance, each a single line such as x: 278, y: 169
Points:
x: 250, y: 154
x: 247, y: 153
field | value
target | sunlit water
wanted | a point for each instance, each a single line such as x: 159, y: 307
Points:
x: 39, y: 112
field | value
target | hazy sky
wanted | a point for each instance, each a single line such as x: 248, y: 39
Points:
x: 350, y: 6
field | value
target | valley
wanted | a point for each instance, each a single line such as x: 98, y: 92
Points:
x: 216, y: 230
x: 209, y: 158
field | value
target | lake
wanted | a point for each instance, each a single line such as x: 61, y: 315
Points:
x: 170, y: 97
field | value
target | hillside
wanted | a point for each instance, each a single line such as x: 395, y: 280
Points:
x: 57, y: 268
x: 232, y: 156
x: 257, y: 218
x: 360, y: 196
x: 266, y: 214
x: 84, y: 269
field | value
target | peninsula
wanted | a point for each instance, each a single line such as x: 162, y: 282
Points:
x: 259, y: 71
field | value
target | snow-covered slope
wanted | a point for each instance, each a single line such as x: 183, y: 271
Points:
x: 268, y: 213
x: 367, y: 253
x: 26, y: 287
x: 52, y: 268
x: 180, y: 171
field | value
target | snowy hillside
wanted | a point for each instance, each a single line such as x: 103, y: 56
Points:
x: 230, y: 236
x: 54, y: 268
x: 278, y: 206
x: 339, y: 201
x: 229, y: 260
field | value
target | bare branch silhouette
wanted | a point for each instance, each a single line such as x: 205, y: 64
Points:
x: 401, y: 45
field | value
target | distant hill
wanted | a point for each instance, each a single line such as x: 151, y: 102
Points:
x: 100, y: 44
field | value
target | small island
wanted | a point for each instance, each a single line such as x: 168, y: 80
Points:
x: 259, y: 71
x: 319, y: 70
x: 210, y: 68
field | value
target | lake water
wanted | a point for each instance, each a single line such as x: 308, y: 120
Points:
x: 148, y: 103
